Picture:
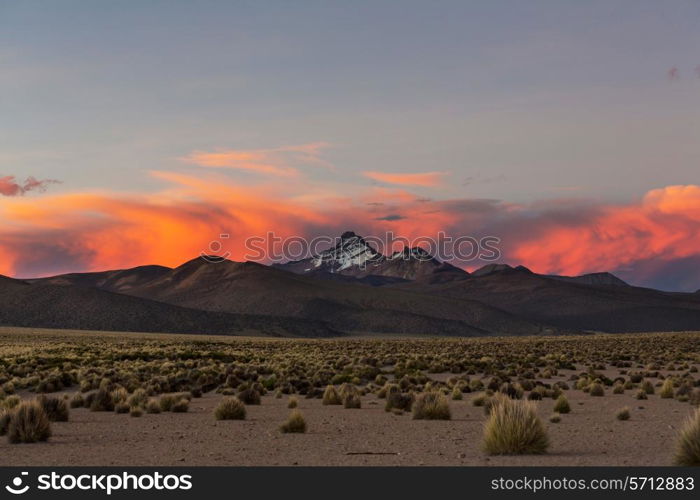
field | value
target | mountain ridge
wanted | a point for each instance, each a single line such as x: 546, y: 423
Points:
x: 350, y: 288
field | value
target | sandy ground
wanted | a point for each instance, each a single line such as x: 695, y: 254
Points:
x: 589, y: 435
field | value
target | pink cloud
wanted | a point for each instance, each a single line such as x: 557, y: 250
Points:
x: 282, y: 161
x: 10, y: 187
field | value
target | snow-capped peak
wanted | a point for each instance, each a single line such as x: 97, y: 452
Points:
x: 351, y: 250
x: 408, y: 253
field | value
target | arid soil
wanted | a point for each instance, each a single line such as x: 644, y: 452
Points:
x: 589, y: 435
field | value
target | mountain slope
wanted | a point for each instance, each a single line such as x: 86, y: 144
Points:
x: 45, y: 305
x: 119, y: 280
x: 592, y: 279
x: 247, y: 287
x: 573, y: 305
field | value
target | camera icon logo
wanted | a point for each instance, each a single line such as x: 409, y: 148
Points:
x: 216, y: 253
x: 16, y: 488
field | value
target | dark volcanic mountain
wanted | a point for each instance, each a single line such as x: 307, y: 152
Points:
x: 593, y: 279
x: 46, y: 305
x: 350, y: 288
x: 572, y: 304
x: 246, y: 287
x: 119, y: 281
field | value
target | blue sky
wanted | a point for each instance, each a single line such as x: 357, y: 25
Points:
x: 517, y: 100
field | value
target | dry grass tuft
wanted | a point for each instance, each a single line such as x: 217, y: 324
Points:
x: 667, y: 391
x: 331, y: 396
x: 513, y: 428
x: 56, y: 409
x: 431, y: 406
x: 688, y: 441
x: 230, y: 408
x: 152, y: 406
x: 28, y: 423
x: 249, y: 396
x: 181, y: 406
x: 561, y: 405
x: 294, y: 424
x: 623, y: 413
x: 597, y: 389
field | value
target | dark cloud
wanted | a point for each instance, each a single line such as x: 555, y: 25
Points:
x: 391, y: 217
x: 10, y: 187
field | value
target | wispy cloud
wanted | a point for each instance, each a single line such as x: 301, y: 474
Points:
x: 282, y: 161
x: 426, y: 179
x: 10, y: 187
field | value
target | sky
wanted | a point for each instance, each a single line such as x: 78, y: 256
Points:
x: 137, y: 132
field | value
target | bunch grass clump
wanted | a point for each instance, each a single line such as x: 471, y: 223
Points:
x: 294, y: 424
x: 561, y: 405
x: 101, y: 401
x: 352, y: 400
x: 431, y: 406
x: 138, y: 398
x: 596, y: 389
x: 623, y: 413
x: 28, y: 423
x: 397, y: 400
x: 667, y: 391
x: 230, y: 408
x: 56, y: 408
x: 513, y: 428
x: 152, y: 406
x: 249, y: 396
x: 688, y: 442
x: 181, y: 406
x: 331, y: 396
x: 166, y: 402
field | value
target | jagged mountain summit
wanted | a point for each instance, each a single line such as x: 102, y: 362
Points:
x: 351, y: 252
x: 355, y: 257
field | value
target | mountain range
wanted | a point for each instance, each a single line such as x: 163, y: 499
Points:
x: 348, y: 289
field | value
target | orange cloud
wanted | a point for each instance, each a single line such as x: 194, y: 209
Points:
x: 426, y: 179
x: 664, y: 226
x: 103, y: 230
x: 106, y: 230
x: 276, y: 161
